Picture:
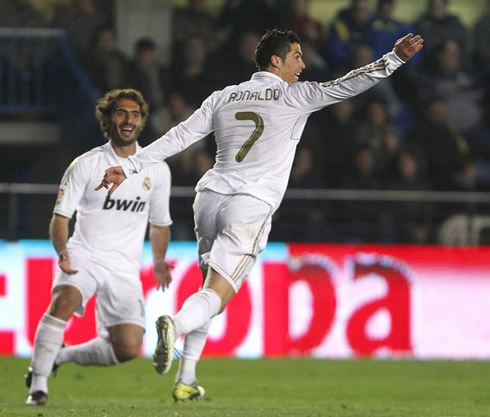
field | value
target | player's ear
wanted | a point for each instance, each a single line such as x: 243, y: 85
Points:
x: 105, y: 121
x: 276, y: 61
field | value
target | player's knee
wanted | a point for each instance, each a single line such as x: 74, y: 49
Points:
x: 64, y: 303
x: 127, y: 351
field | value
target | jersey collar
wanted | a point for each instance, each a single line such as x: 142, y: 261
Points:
x: 266, y: 75
x: 112, y: 157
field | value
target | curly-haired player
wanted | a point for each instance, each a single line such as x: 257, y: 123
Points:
x: 102, y: 257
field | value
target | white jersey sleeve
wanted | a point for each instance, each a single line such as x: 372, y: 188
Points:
x: 74, y: 183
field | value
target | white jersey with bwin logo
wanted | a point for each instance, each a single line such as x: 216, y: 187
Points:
x: 257, y: 125
x: 112, y: 230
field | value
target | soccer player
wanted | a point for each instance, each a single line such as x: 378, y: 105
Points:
x: 102, y: 257
x: 257, y: 126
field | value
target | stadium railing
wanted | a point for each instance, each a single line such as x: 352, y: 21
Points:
x: 459, y: 218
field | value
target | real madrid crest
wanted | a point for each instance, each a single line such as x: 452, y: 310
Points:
x: 61, y: 194
x: 147, y: 183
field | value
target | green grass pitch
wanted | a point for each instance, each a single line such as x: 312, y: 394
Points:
x: 261, y: 388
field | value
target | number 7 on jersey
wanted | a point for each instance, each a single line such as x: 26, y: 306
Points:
x: 259, y: 128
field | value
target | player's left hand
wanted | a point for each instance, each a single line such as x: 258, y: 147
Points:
x: 114, y: 176
x: 408, y: 46
x: 161, y: 271
x: 64, y: 262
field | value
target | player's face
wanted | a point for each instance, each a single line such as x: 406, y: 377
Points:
x: 126, y: 122
x: 293, y: 65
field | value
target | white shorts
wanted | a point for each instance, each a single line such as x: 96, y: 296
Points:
x: 231, y: 230
x: 119, y: 295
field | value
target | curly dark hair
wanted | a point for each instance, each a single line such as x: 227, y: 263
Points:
x: 109, y: 101
x: 274, y: 42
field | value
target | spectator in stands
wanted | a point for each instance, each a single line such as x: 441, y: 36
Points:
x: 238, y: 16
x: 365, y: 221
x: 363, y: 55
x: 376, y: 131
x: 466, y: 178
x: 437, y: 25
x: 316, y: 65
x: 442, y: 145
x: 387, y: 29
x: 481, y: 48
x: 193, y: 20
x: 80, y: 19
x: 404, y: 84
x: 462, y: 221
x: 449, y: 79
x: 240, y: 60
x: 362, y: 172
x: 412, y: 220
x: 307, y: 28
x: 201, y: 162
x: 21, y: 14
x: 479, y: 139
x: 22, y: 61
x: 194, y: 77
x: 145, y: 74
x: 300, y: 222
x: 175, y: 111
x: 352, y: 27
x: 106, y: 65
x: 340, y: 123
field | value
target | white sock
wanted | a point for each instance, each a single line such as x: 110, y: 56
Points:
x: 196, y: 311
x: 98, y: 352
x: 47, y: 342
x: 187, y: 372
x: 193, y: 346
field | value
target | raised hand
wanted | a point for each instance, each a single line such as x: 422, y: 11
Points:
x: 408, y: 46
x: 113, y: 178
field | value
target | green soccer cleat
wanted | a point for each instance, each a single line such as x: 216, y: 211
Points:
x: 183, y: 392
x: 164, y: 351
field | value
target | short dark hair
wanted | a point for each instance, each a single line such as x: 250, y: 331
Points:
x: 383, y: 2
x: 429, y: 2
x: 109, y: 101
x: 274, y: 42
x: 145, y: 44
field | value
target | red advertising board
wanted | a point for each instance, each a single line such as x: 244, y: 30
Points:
x: 300, y: 300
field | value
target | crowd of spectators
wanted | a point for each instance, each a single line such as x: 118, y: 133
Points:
x: 425, y: 128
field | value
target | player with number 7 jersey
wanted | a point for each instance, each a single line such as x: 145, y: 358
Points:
x: 257, y: 126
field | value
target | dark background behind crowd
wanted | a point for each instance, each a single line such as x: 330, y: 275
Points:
x: 426, y: 128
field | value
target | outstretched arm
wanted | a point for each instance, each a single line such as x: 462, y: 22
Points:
x: 408, y: 46
x: 360, y: 79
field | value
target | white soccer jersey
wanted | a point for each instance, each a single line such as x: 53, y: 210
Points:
x: 257, y: 126
x: 113, y: 230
